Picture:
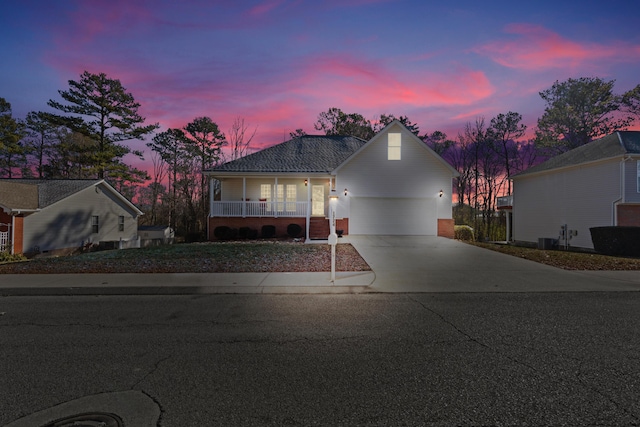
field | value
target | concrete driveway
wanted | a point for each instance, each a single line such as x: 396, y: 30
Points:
x: 437, y: 264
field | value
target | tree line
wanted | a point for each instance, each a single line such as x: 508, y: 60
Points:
x: 96, y: 117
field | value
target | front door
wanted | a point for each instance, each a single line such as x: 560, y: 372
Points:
x: 317, y: 200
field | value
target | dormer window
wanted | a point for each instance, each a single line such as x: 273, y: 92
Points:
x: 394, y: 146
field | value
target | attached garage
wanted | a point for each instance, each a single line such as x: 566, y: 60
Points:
x: 393, y: 216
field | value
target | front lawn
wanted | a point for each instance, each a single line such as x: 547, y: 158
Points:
x: 232, y: 257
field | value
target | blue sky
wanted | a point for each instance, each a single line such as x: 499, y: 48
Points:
x: 278, y: 63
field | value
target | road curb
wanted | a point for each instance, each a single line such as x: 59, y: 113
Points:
x: 180, y: 290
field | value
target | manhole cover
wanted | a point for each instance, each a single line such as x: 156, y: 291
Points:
x: 88, y: 420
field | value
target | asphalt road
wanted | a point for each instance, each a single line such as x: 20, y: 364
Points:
x: 370, y: 359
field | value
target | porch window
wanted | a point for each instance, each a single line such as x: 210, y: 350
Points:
x: 286, y: 196
x: 265, y: 194
x: 121, y: 223
x: 292, y: 197
x: 394, y: 146
x: 95, y: 224
x: 280, y: 196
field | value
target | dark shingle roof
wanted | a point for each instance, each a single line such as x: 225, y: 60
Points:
x: 303, y: 154
x: 616, y: 144
x: 49, y: 191
x: 18, y: 196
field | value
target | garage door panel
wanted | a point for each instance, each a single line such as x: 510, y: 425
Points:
x: 391, y: 216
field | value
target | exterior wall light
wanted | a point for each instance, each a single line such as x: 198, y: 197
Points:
x: 440, y: 193
x: 306, y: 182
x: 345, y: 191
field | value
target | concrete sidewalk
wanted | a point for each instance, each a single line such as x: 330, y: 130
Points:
x: 400, y: 264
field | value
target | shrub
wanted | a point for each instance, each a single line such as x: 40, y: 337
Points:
x: 225, y: 233
x: 616, y: 240
x: 294, y: 230
x: 7, y: 257
x: 243, y: 232
x: 268, y: 231
x: 463, y: 232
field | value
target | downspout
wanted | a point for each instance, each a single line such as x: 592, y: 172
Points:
x: 623, y: 189
x: 13, y: 234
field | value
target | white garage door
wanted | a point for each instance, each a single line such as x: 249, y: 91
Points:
x: 385, y: 216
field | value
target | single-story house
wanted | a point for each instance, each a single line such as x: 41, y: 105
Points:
x: 153, y: 235
x: 597, y: 184
x: 393, y: 184
x: 61, y: 215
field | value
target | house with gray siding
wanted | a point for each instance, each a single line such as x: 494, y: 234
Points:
x: 62, y: 215
x: 393, y: 184
x: 597, y: 184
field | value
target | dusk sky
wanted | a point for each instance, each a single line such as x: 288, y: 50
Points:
x: 278, y: 63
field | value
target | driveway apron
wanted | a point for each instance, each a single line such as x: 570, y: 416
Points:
x: 438, y: 264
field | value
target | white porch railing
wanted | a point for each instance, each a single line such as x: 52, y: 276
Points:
x: 504, y: 201
x: 258, y: 209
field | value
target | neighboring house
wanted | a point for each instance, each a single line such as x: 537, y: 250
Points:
x: 393, y: 184
x: 154, y: 235
x: 57, y: 216
x: 597, y: 184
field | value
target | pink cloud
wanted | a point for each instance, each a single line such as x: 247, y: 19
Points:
x: 264, y: 7
x: 539, y: 48
x: 358, y: 83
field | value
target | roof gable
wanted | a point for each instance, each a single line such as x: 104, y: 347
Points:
x: 402, y: 128
x: 305, y: 154
x: 33, y: 194
x: 614, y: 145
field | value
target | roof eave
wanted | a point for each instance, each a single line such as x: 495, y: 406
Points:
x: 559, y: 168
x: 240, y: 174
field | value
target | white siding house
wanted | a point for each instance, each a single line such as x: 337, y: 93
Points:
x: 590, y: 186
x: 392, y: 184
x: 66, y: 215
x: 400, y: 195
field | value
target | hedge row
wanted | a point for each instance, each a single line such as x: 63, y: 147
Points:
x: 268, y: 231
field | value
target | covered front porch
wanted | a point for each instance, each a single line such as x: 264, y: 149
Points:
x: 255, y: 201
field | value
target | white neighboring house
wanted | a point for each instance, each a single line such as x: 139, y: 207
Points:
x: 597, y: 184
x: 154, y: 235
x: 58, y: 216
x: 393, y: 184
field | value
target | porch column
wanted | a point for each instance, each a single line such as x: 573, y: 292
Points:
x: 244, y: 197
x: 274, y: 199
x: 212, y: 195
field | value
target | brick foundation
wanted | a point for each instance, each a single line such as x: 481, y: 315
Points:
x: 629, y: 215
x: 281, y: 224
x: 445, y: 228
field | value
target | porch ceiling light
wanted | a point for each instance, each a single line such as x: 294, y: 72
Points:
x: 440, y: 193
x: 345, y: 192
x: 333, y: 196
